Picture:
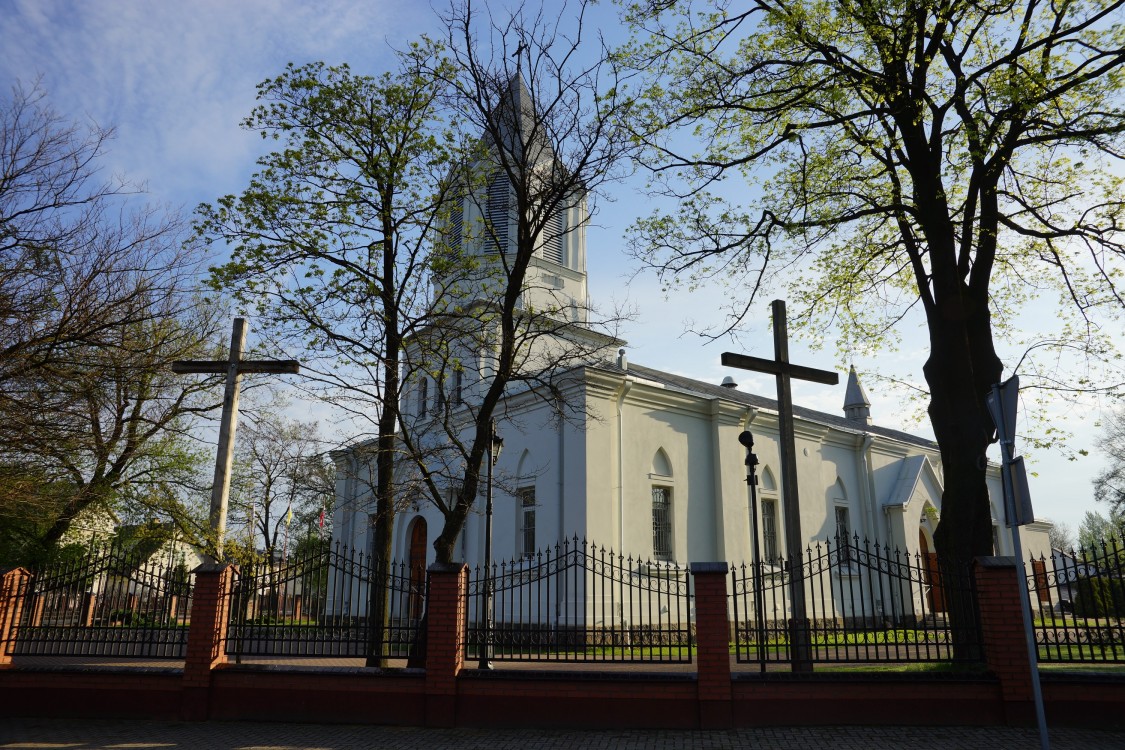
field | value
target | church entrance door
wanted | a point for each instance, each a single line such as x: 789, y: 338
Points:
x: 417, y: 563
x: 932, y: 574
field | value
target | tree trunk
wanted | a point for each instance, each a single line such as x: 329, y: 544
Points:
x: 378, y: 609
x: 960, y: 371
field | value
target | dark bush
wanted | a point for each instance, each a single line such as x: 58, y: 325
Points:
x: 1099, y: 597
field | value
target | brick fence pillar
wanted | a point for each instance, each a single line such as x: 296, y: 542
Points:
x: 1002, y: 634
x: 445, y: 641
x: 13, y: 592
x: 712, y: 638
x: 207, y: 635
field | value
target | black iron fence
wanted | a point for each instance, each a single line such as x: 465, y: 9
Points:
x: 329, y: 601
x: 1078, y: 603
x: 110, y: 600
x: 577, y: 602
x: 864, y: 603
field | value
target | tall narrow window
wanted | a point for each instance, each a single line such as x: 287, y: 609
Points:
x: 843, y: 534
x: 499, y: 212
x: 662, y: 523
x: 769, y: 531
x: 553, y: 238
x: 455, y: 393
x: 439, y: 394
x: 456, y: 228
x: 526, y: 497
x: 423, y: 395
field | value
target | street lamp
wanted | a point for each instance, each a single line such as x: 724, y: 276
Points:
x: 747, y: 441
x: 495, y: 443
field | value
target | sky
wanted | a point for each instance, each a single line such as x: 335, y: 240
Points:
x: 175, y: 79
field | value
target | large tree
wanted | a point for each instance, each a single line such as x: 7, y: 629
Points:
x: 948, y: 157
x: 330, y: 241
x: 97, y: 295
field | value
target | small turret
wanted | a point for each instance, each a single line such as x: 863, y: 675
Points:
x: 856, y: 406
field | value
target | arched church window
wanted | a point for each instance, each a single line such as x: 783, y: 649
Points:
x: 661, y: 474
x: 662, y: 522
x: 769, y: 516
x: 525, y: 497
x: 525, y: 506
x: 843, y: 528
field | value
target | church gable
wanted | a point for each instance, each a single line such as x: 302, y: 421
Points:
x: 918, y: 482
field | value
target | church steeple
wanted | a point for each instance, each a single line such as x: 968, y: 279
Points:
x: 856, y: 406
x: 483, y: 220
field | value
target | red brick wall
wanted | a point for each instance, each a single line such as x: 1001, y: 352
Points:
x: 712, y: 635
x: 1002, y: 634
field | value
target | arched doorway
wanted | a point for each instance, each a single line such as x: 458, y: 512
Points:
x: 931, y: 574
x: 417, y: 564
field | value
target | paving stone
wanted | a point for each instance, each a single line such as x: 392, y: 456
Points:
x: 43, y: 734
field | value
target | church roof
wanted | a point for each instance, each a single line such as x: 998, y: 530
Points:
x: 908, y: 477
x: 712, y: 390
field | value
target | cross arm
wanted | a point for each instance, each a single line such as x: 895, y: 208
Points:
x: 217, y: 367
x: 773, y: 367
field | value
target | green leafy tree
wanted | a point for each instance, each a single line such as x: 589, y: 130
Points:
x: 330, y: 241
x: 946, y: 159
x: 1097, y: 529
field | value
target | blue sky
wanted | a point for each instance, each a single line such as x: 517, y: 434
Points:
x: 176, y: 78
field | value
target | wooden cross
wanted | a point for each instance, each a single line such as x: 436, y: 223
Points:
x: 233, y: 367
x: 780, y: 366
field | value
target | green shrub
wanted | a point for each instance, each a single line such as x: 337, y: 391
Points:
x: 1100, y: 597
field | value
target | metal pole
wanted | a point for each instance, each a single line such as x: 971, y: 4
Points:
x: 747, y: 439
x: 486, y: 636
x: 1006, y: 442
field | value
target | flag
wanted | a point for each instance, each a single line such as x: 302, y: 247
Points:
x: 322, y: 518
x: 289, y: 516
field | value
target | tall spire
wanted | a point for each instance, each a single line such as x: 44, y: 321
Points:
x: 856, y: 406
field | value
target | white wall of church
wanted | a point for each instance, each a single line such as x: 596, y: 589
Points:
x: 592, y: 476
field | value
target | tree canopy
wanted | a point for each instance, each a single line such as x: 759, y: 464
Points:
x: 949, y: 160
x: 97, y: 296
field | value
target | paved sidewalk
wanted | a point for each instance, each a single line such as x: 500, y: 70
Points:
x: 40, y: 734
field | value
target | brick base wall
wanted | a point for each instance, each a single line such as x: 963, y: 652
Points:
x: 528, y: 699
x: 446, y: 693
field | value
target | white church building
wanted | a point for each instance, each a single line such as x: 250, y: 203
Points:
x: 648, y: 462
x: 655, y: 470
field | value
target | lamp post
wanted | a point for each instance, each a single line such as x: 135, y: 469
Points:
x: 747, y: 440
x: 495, y: 443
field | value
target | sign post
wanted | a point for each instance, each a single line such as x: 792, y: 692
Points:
x: 1017, y: 512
